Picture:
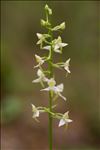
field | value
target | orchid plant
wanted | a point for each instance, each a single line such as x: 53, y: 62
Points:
x: 46, y: 77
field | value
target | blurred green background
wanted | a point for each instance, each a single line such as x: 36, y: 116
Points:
x: 20, y: 21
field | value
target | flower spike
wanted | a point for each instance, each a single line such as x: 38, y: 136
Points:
x: 45, y: 73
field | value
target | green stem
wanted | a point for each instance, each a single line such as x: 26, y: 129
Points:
x: 50, y: 116
x: 50, y: 93
x: 50, y: 122
x: 50, y: 102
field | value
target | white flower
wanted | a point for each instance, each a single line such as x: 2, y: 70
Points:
x: 64, y: 120
x: 35, y: 111
x: 56, y: 89
x: 41, y: 78
x: 57, y: 45
x: 66, y: 65
x: 39, y: 60
x: 51, y: 83
x: 42, y: 38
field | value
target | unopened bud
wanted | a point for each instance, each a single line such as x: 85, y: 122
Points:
x: 62, y: 26
x: 45, y: 23
x: 48, y: 9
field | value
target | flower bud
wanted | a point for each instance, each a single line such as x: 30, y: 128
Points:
x: 45, y: 23
x: 62, y: 26
x: 49, y: 10
x: 59, y: 27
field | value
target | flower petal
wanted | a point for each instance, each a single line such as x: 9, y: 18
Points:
x: 67, y: 69
x: 57, y: 51
x: 39, y: 59
x: 66, y: 115
x: 38, y: 42
x: 63, y: 44
x: 47, y: 47
x: 39, y: 35
x: 66, y: 65
x: 46, y: 89
x: 56, y: 47
x: 60, y: 87
x: 33, y: 106
x: 62, y: 122
x: 36, y: 80
x: 36, y: 114
x: 68, y: 120
x: 67, y: 61
x: 40, y: 73
x: 36, y: 66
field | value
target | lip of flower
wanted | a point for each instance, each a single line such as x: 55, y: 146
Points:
x: 59, y: 94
